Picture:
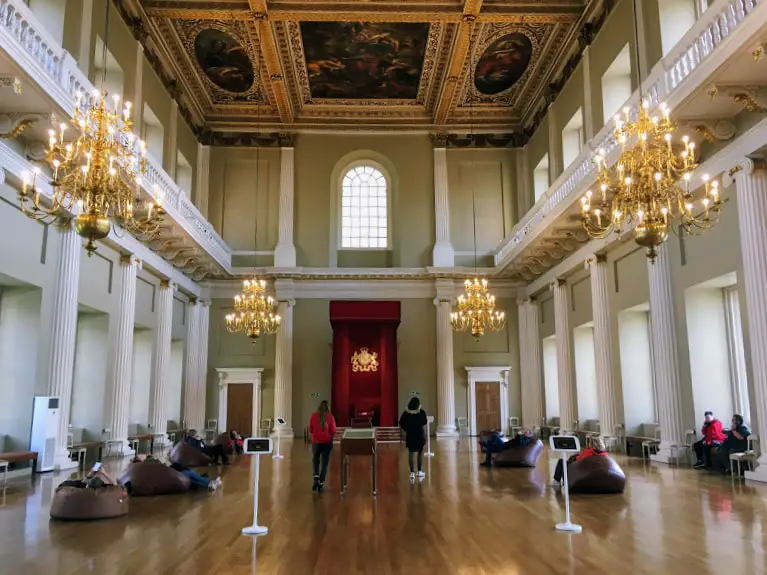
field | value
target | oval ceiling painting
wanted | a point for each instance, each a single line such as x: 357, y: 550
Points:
x: 502, y: 64
x: 224, y: 60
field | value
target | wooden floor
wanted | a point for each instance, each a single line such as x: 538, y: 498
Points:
x: 461, y: 520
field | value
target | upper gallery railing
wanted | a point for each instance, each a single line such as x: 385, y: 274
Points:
x: 53, y: 68
x: 703, y: 40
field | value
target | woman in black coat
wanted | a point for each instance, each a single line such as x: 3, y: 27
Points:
x: 412, y: 422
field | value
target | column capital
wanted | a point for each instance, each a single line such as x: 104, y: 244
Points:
x: 287, y: 140
x: 290, y: 302
x: 524, y: 301
x: 594, y: 260
x: 439, y: 140
x: 438, y: 301
x: 445, y: 288
x: 559, y: 282
x: 168, y: 284
x: 222, y: 377
x: 746, y: 167
x: 131, y: 260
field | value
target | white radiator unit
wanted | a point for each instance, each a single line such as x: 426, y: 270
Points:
x: 44, y: 430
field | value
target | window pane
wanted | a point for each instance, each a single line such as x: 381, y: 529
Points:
x: 363, y: 208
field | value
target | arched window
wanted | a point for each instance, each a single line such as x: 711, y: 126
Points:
x: 364, y: 209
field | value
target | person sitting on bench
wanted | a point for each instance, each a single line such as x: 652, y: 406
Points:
x: 711, y: 436
x: 493, y: 445
x: 523, y: 438
x: 597, y: 449
x: 735, y: 442
x: 216, y: 452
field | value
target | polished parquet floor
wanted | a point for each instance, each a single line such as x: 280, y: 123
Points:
x: 461, y: 520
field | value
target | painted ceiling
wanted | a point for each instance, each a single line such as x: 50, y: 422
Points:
x: 244, y: 66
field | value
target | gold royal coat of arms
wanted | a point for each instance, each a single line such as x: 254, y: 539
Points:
x: 364, y: 360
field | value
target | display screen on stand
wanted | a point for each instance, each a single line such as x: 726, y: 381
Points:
x: 258, y: 445
x: 564, y: 443
x: 281, y: 421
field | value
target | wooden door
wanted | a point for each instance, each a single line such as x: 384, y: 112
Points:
x: 488, y: 401
x: 239, y: 408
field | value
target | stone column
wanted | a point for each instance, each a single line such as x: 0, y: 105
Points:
x: 136, y: 96
x: 285, y: 253
x: 158, y: 400
x: 525, y: 194
x: 443, y: 255
x: 445, y: 367
x: 588, y: 98
x: 568, y: 398
x: 190, y: 363
x: 283, y: 369
x: 170, y: 146
x: 201, y: 366
x: 603, y: 347
x: 751, y: 183
x: 84, y: 50
x: 665, y: 355
x: 530, y: 363
x: 202, y: 181
x: 555, y: 146
x: 63, y: 336
x: 122, y: 361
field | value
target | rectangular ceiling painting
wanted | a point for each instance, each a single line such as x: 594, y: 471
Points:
x: 348, y: 60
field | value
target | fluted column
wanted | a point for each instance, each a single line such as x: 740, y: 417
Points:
x: 530, y: 363
x: 158, y: 400
x: 190, y: 363
x: 665, y: 353
x: 283, y: 369
x: 170, y: 147
x: 285, y: 253
x: 61, y: 355
x: 122, y: 359
x: 135, y: 93
x: 201, y: 379
x: 603, y: 348
x: 445, y: 369
x: 751, y: 183
x: 568, y: 398
x: 443, y: 255
x: 588, y: 98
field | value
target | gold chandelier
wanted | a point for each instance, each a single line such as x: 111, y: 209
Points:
x: 96, y: 173
x: 254, y: 311
x: 476, y: 310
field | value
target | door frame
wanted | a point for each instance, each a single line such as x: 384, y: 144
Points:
x: 487, y: 374
x: 229, y: 375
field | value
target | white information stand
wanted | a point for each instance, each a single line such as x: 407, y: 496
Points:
x: 279, y: 423
x: 429, y: 421
x: 565, y: 445
x: 257, y: 446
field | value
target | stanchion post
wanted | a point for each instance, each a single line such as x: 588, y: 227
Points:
x: 278, y: 431
x: 428, y: 453
x: 256, y: 446
x: 565, y: 444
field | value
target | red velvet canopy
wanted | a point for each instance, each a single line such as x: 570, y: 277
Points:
x: 367, y: 331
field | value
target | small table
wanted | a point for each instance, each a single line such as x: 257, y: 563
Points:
x: 358, y: 442
x: 16, y: 456
x: 135, y: 442
x: 89, y: 445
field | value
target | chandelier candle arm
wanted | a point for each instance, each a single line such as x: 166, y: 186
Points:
x: 476, y: 311
x: 254, y: 312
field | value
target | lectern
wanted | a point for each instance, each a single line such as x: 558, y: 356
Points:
x: 358, y: 442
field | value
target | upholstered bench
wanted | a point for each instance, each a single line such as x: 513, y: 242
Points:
x: 597, y: 474
x: 86, y: 503
x: 154, y: 478
x: 519, y: 455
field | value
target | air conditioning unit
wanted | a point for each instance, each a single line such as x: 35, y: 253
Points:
x: 45, y: 428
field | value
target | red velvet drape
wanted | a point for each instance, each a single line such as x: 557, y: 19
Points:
x: 373, y: 325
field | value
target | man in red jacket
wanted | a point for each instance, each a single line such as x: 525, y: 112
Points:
x: 711, y: 435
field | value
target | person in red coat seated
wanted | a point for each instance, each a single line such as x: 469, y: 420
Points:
x: 711, y: 436
x: 322, y: 429
x: 597, y: 449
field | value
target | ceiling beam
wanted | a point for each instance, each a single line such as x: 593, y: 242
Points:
x: 458, y: 56
x: 372, y: 13
x: 261, y: 36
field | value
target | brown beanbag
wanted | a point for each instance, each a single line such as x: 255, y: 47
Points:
x: 186, y: 455
x: 484, y: 437
x: 595, y: 475
x: 154, y: 478
x: 85, y: 503
x: 516, y: 456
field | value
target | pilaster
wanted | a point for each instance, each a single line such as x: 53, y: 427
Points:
x: 202, y: 179
x: 122, y: 361
x: 751, y: 182
x: 202, y: 362
x: 283, y: 369
x: 568, y: 398
x: 285, y: 252
x: 665, y: 354
x: 588, y: 98
x: 443, y: 255
x: 84, y: 48
x: 158, y: 404
x: 190, y: 365
x: 63, y: 335
x: 445, y: 366
x: 170, y: 146
x: 603, y: 349
x: 555, y: 146
x: 530, y: 363
x: 137, y: 94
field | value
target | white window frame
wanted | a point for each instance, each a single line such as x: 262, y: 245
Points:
x: 540, y: 172
x: 339, y: 206
x: 572, y: 138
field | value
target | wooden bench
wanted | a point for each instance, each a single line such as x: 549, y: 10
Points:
x: 17, y: 456
x: 90, y: 445
x: 634, y: 441
x: 137, y: 439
